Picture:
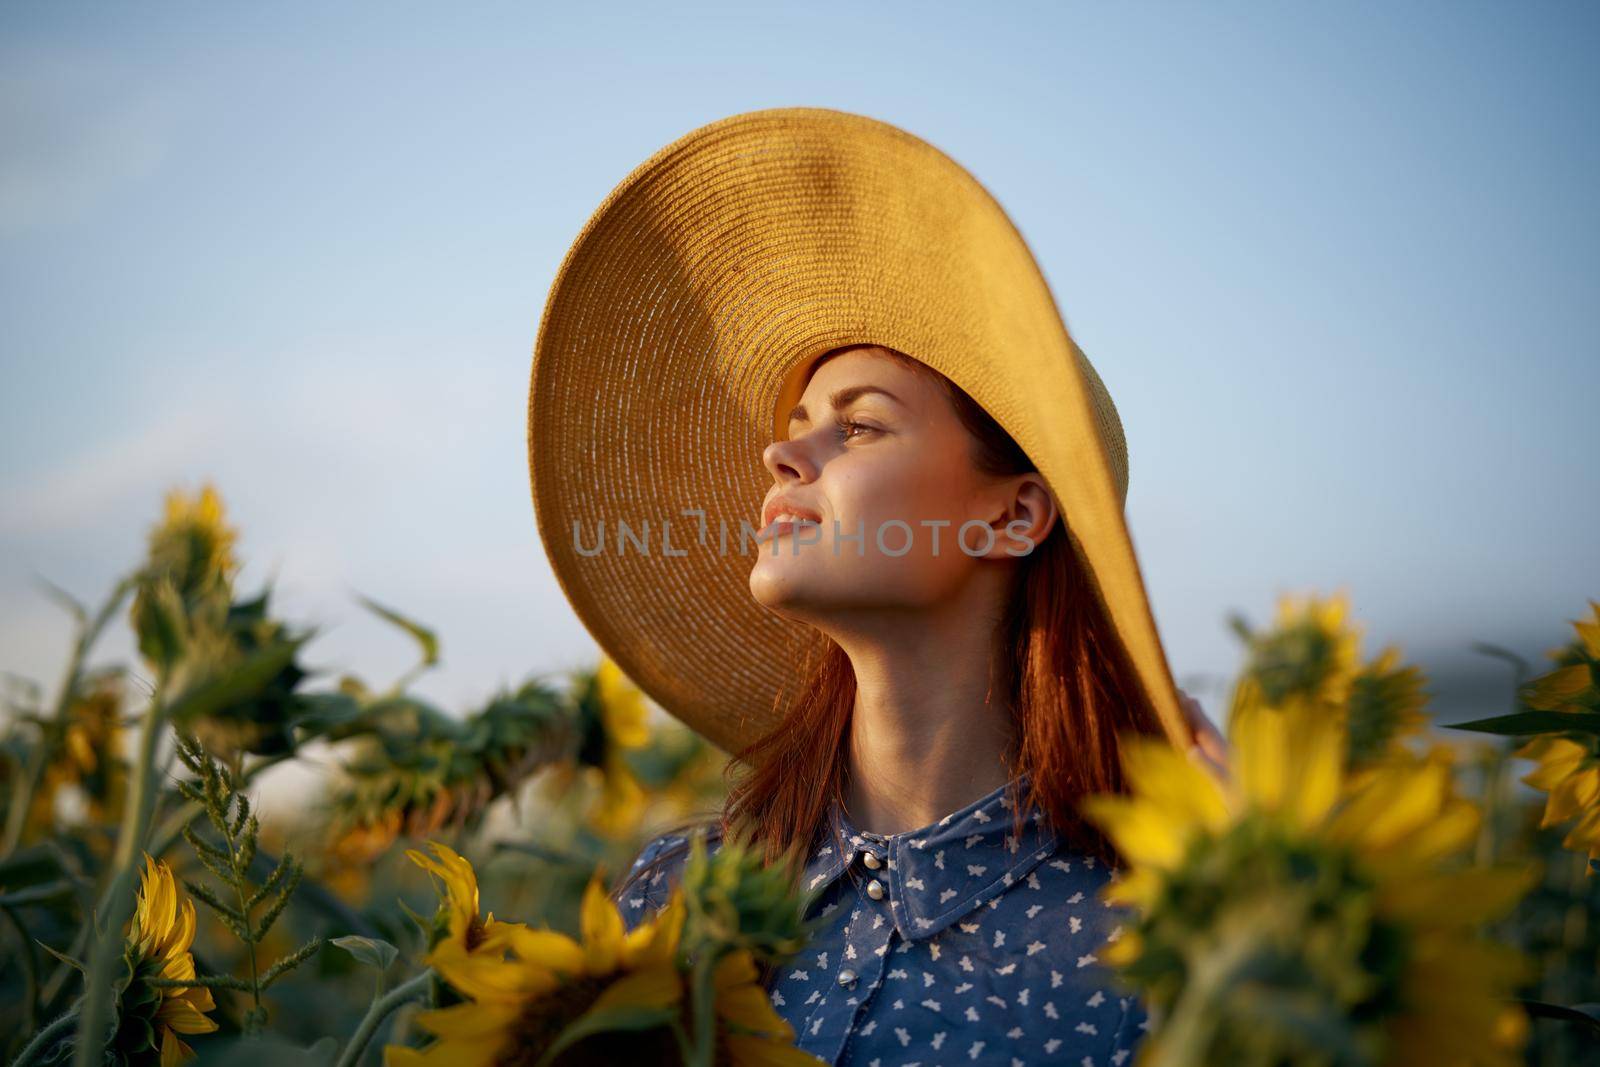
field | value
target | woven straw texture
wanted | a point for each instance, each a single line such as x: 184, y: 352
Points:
x: 679, y: 327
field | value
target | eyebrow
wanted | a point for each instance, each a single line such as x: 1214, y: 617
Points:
x: 841, y: 398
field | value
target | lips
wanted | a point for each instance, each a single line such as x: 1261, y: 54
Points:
x: 789, y: 507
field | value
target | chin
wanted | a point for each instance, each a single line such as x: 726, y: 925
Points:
x: 784, y: 586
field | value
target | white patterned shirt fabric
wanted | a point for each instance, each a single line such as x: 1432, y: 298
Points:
x: 952, y: 944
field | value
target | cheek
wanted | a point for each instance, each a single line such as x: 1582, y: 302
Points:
x: 908, y: 491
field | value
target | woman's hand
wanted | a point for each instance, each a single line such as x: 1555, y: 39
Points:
x: 1207, y: 743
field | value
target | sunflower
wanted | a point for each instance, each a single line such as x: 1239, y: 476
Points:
x: 466, y: 931
x: 1384, y: 707
x: 517, y: 1008
x: 194, y: 543
x: 1289, y: 910
x: 150, y: 1018
x: 192, y: 548
x: 1310, y: 656
x: 88, y: 760
x: 1569, y: 770
x: 1569, y: 760
x: 612, y: 720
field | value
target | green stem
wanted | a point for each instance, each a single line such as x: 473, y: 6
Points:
x: 30, y: 970
x: 250, y: 941
x: 44, y: 1039
x: 380, y: 1009
x: 117, y: 903
x: 704, y: 1010
x: 28, y: 783
x: 172, y: 830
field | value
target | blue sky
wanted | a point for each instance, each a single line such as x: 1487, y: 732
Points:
x: 1337, y: 264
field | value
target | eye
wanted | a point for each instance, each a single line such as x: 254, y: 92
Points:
x: 845, y: 426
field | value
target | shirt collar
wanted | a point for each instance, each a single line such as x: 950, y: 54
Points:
x: 941, y: 872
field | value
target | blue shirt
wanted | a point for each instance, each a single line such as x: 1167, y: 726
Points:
x: 952, y: 944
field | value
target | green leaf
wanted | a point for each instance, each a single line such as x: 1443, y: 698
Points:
x: 372, y: 951
x: 34, y: 894
x: 425, y: 637
x: 331, y: 714
x: 1584, y: 1015
x: 80, y: 967
x: 160, y: 623
x: 239, y: 684
x: 1533, y: 722
x: 422, y: 924
x: 595, y: 1022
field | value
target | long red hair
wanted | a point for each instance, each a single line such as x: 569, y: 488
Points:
x: 1069, y: 684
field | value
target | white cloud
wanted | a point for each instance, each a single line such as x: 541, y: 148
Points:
x: 113, y: 477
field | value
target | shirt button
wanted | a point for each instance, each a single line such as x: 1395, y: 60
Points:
x: 875, y: 889
x: 846, y: 977
x: 871, y: 861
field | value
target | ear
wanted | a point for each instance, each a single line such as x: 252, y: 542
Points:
x: 1026, y: 515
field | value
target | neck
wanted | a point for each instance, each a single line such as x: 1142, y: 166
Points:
x: 929, y: 733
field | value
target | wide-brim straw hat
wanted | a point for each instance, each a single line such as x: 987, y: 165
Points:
x: 676, y: 337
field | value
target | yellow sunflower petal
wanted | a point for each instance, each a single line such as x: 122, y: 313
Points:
x: 655, y: 943
x: 467, y: 1022
x: 657, y: 987
x: 1137, y: 887
x: 1585, y: 835
x: 489, y: 980
x: 1396, y: 803
x: 184, y: 1017
x: 602, y: 929
x: 1457, y: 898
x: 1558, y: 757
x: 181, y: 934
x: 748, y: 1006
x: 460, y: 882
x: 173, y: 1050
x: 759, y: 1052
x: 1572, y: 795
x: 1141, y: 831
x: 1162, y: 775
x: 547, y: 948
x: 622, y: 706
x: 1123, y: 951
x: 1260, y: 743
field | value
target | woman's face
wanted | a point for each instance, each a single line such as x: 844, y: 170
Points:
x: 878, y: 449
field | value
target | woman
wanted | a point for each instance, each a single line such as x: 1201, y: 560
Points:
x: 943, y: 632
x: 934, y: 707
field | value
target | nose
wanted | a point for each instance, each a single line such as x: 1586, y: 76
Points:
x: 789, y: 461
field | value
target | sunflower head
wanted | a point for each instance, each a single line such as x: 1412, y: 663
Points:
x: 612, y: 721
x: 189, y: 567
x: 1569, y: 771
x: 1385, y: 707
x: 460, y: 929
x: 606, y: 997
x: 1293, y: 909
x: 1569, y: 760
x: 1307, y: 657
x: 150, y: 1018
x: 737, y: 899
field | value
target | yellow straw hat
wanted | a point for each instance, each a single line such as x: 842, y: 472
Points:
x: 676, y: 338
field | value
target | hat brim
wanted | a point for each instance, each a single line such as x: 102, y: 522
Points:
x: 676, y: 332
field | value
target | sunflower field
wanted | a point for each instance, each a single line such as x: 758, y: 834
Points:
x: 1371, y: 880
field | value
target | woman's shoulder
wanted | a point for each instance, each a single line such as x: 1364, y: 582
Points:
x: 656, y: 871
